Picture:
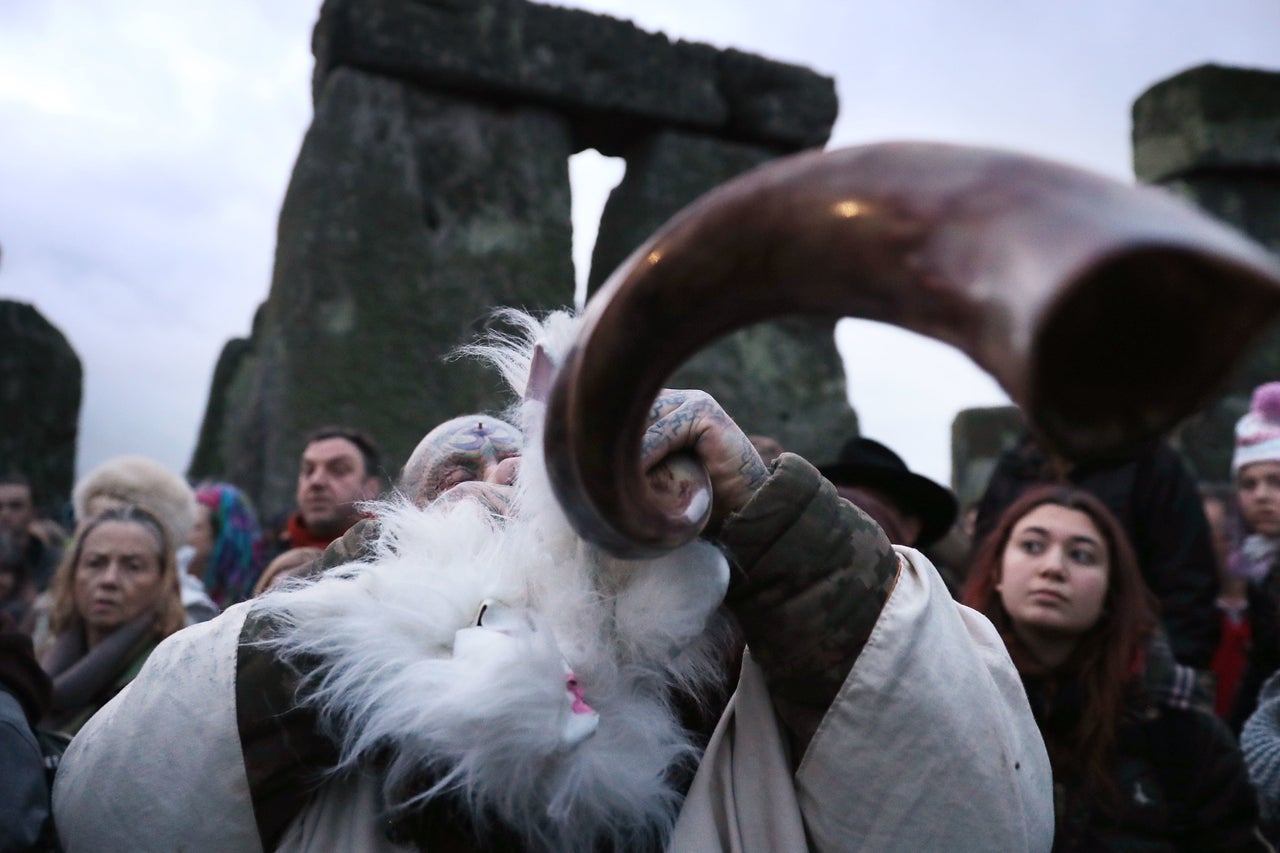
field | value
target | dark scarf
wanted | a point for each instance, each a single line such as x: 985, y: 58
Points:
x: 80, y: 674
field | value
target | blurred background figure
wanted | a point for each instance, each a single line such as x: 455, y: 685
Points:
x: 911, y: 509
x: 1255, y: 467
x: 40, y: 542
x: 1260, y: 742
x: 922, y: 511
x: 26, y: 820
x: 17, y: 589
x: 294, y: 563
x: 1233, y: 600
x: 340, y: 467
x: 138, y: 481
x: 115, y: 597
x: 1131, y: 770
x: 226, y: 544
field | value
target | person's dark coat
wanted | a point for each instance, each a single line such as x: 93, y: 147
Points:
x: 25, y: 815
x: 1178, y: 780
x: 1264, y: 646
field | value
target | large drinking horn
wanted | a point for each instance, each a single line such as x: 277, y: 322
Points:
x: 1108, y: 312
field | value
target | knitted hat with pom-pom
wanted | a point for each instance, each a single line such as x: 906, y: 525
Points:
x: 1258, y: 432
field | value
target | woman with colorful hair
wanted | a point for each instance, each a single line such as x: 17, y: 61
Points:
x: 1058, y: 579
x: 227, y: 541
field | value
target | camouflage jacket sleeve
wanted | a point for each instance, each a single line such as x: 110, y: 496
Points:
x: 812, y: 573
x: 355, y: 544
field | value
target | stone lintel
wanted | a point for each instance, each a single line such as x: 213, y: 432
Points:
x: 1210, y: 117
x: 585, y: 64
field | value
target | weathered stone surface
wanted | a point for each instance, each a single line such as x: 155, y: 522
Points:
x: 1207, y: 118
x: 409, y: 217
x: 40, y: 390
x: 978, y: 437
x: 665, y: 172
x: 579, y: 63
x: 1212, y: 135
x: 209, y: 459
x: 1245, y: 199
x: 433, y: 187
x: 783, y: 379
x: 1207, y: 438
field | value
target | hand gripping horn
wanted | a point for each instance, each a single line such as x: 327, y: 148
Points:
x: 1107, y: 311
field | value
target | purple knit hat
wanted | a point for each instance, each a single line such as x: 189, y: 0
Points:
x: 1258, y: 432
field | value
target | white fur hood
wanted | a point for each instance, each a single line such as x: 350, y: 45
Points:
x: 555, y: 712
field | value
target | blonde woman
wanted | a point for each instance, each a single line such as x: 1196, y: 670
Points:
x: 115, y: 597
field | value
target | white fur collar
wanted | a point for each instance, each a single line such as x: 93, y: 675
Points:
x: 490, y: 724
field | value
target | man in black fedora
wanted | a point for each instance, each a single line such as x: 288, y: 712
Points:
x: 912, y: 509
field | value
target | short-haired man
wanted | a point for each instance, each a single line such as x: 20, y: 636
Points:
x: 339, y: 469
x: 17, y: 518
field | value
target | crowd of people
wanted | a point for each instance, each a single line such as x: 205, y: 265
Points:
x: 149, y: 555
x: 1098, y: 651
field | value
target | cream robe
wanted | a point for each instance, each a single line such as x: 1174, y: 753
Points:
x: 930, y: 745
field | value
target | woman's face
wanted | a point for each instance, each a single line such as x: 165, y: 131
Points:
x: 1054, y: 572
x: 117, y: 576
x: 1258, y: 486
x: 201, y: 537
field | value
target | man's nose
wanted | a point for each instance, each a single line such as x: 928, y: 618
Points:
x: 503, y: 473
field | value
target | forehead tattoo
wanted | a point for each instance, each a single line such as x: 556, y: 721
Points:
x: 460, y: 444
x: 474, y: 436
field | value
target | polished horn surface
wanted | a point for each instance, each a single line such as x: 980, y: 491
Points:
x: 1107, y: 311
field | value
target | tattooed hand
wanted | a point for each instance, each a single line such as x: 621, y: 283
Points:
x: 693, y: 422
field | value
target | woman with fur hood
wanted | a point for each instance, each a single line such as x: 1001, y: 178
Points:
x: 481, y: 678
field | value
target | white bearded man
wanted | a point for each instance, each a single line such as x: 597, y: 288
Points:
x: 480, y: 678
x: 488, y: 672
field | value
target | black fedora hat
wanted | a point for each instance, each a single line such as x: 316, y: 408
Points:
x: 865, y: 462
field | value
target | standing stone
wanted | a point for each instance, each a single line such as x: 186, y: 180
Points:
x: 433, y: 187
x: 783, y: 378
x: 978, y: 437
x: 409, y: 217
x: 211, y: 455
x: 1212, y: 135
x: 40, y: 387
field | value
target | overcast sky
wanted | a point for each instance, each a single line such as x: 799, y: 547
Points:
x: 145, y: 147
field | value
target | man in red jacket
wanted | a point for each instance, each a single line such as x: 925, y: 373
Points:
x: 339, y: 469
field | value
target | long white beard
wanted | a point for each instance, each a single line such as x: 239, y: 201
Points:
x: 490, y: 728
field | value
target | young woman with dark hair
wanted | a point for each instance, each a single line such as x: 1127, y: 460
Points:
x: 1058, y: 579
